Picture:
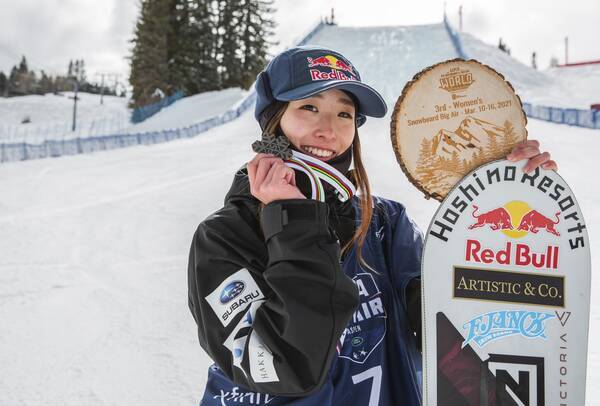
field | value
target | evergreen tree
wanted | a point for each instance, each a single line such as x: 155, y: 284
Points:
x: 426, y: 161
x: 230, y: 29
x: 31, y: 84
x: 479, y: 158
x: 80, y: 71
x: 150, y: 53
x: 23, y: 69
x: 244, y: 29
x: 190, y: 46
x: 180, y: 49
x: 13, y: 81
x: 454, y: 163
x: 198, y: 45
x: 203, y: 30
x: 192, y: 64
x: 494, y: 150
x: 21, y: 80
x: 63, y: 84
x: 3, y: 84
x: 46, y: 85
x: 257, y: 29
x: 510, y: 138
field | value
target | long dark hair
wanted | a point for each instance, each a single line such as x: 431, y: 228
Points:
x: 358, y: 177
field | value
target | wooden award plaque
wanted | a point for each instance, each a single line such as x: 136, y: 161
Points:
x: 451, y: 118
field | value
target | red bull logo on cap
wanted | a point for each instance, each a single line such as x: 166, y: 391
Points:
x: 515, y: 219
x: 340, y: 70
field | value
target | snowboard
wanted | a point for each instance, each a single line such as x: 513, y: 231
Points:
x: 506, y: 275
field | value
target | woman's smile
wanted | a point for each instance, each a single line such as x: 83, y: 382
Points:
x: 321, y: 153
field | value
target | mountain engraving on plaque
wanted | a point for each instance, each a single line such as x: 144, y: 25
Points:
x: 448, y: 155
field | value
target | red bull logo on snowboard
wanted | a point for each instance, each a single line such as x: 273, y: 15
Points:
x: 512, y: 254
x: 556, y: 217
x: 339, y: 70
x: 515, y: 219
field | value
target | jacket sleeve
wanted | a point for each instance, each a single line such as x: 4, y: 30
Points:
x: 272, y: 330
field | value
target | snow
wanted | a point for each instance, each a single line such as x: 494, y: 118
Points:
x: 571, y: 78
x: 569, y: 87
x: 93, y: 272
x: 391, y: 55
x: 190, y: 110
x: 51, y: 115
x: 59, y: 108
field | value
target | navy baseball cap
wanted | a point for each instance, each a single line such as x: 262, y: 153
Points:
x: 304, y: 71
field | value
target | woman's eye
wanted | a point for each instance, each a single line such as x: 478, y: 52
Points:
x: 309, y: 107
x: 345, y: 114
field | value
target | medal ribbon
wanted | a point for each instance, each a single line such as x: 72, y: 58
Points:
x: 318, y: 171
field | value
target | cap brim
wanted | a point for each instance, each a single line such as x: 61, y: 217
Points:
x: 370, y: 101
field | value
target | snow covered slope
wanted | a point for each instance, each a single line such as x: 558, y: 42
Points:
x: 190, y: 110
x: 93, y: 296
x: 93, y: 271
x: 576, y: 87
x: 52, y: 108
x: 51, y: 115
x: 388, y: 57
x: 581, y: 81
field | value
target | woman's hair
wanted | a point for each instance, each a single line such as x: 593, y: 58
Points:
x: 359, y: 177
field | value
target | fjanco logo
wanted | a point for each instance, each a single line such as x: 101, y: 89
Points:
x: 234, y: 295
x: 491, y: 326
x: 231, y: 291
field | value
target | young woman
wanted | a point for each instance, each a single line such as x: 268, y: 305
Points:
x: 307, y: 302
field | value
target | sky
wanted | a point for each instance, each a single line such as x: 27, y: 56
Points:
x: 51, y: 32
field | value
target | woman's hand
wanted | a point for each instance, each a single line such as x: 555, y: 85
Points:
x: 271, y: 179
x: 530, y: 149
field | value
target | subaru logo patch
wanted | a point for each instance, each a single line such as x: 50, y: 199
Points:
x: 234, y: 295
x: 231, y: 291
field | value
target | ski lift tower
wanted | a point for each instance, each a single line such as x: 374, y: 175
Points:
x: 108, y: 76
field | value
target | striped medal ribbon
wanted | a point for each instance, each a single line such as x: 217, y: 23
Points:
x: 318, y: 171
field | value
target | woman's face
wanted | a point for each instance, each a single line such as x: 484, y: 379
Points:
x: 321, y: 125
